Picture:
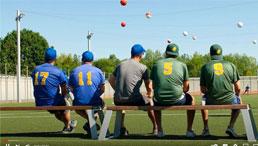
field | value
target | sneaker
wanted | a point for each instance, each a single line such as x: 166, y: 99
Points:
x: 72, y: 124
x: 160, y: 134
x: 231, y: 132
x: 206, y: 133
x: 155, y: 132
x: 124, y: 131
x: 190, y: 134
x: 67, y: 130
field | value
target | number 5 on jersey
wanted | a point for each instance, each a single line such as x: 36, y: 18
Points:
x: 89, y: 82
x: 167, y: 68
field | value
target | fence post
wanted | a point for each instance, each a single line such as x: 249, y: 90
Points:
x: 6, y: 82
x: 27, y: 84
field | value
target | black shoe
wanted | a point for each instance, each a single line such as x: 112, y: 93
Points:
x: 66, y: 130
x: 124, y: 131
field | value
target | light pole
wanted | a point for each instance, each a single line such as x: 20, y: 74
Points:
x: 18, y: 73
x: 90, y: 34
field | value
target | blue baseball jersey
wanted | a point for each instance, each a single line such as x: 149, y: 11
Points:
x: 47, y: 80
x: 86, y: 81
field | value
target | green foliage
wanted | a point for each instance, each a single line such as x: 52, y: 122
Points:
x: 32, y: 51
x: 150, y: 58
x: 247, y: 66
x: 107, y: 65
x: 194, y: 63
x: 67, y: 62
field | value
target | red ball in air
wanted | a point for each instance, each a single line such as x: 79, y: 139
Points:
x: 123, y: 24
x: 123, y: 2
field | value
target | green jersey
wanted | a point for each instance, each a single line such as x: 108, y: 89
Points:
x: 218, y: 76
x: 168, y: 75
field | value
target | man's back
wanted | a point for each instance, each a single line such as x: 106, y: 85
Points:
x: 218, y: 76
x: 46, y: 81
x: 168, y: 75
x: 129, y: 76
x: 86, y: 80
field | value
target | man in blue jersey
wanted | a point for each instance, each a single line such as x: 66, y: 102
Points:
x: 87, y: 84
x: 47, y: 80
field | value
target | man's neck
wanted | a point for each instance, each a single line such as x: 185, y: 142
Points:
x: 90, y: 63
x: 137, y: 59
x: 52, y: 63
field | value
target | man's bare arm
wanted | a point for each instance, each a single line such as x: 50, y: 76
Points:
x: 64, y: 90
x: 148, y: 85
x: 112, y: 81
x: 186, y: 86
x: 203, y: 89
x: 238, y: 90
x: 102, y: 89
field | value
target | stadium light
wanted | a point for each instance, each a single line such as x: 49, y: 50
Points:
x: 90, y: 34
x: 18, y: 73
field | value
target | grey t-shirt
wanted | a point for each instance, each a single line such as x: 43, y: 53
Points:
x: 129, y: 76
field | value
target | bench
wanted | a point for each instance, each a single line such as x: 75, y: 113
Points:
x: 89, y: 109
x: 249, y: 122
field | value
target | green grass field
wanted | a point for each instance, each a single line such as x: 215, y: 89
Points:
x: 38, y: 128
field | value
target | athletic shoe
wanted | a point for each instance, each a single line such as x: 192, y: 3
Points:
x: 124, y: 131
x: 155, y: 132
x: 160, y: 134
x: 72, y: 124
x: 231, y: 132
x: 190, y: 134
x: 206, y: 133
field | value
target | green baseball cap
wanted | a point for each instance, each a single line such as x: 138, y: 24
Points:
x: 216, y: 52
x: 172, y: 49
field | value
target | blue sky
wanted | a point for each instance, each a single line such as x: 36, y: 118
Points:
x: 65, y: 23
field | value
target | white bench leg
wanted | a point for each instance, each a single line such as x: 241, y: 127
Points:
x: 118, y: 124
x: 105, y: 125
x: 93, y: 127
x: 250, y: 127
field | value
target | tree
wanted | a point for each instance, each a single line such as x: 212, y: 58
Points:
x: 67, y: 62
x: 107, y: 65
x: 33, y: 46
x: 246, y: 65
x: 150, y: 58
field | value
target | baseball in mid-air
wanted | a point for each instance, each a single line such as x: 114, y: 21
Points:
x: 123, y: 24
x: 240, y: 24
x: 148, y: 14
x: 254, y: 42
x: 194, y: 37
x: 123, y: 2
x: 185, y: 33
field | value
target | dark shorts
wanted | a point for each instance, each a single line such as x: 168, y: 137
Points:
x: 137, y: 101
x: 186, y: 99
x: 59, y: 103
x: 97, y: 106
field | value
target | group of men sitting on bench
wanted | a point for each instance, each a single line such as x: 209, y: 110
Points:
x: 168, y: 79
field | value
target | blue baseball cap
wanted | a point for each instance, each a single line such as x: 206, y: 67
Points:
x: 87, y: 56
x: 137, y: 49
x: 50, y: 54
